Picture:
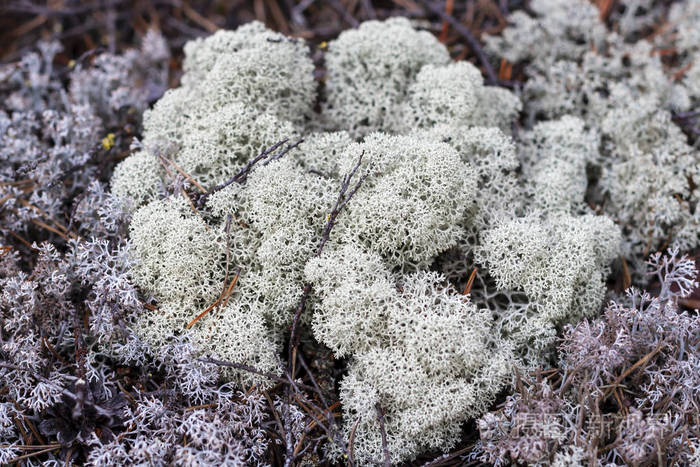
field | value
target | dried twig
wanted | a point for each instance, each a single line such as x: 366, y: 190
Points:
x: 223, y: 296
x: 281, y: 153
x: 369, y: 9
x: 351, y: 442
x: 629, y: 371
x: 227, y: 229
x: 470, y: 283
x: 33, y: 454
x: 343, y: 197
x: 313, y: 382
x: 243, y: 173
x: 331, y: 431
x: 382, y: 430
x: 449, y: 7
x: 337, y: 6
x: 197, y: 18
x: 252, y: 369
x: 472, y: 41
x: 276, y: 415
x: 345, y: 194
x: 183, y: 173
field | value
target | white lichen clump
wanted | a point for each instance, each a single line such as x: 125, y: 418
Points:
x: 646, y: 172
x: 441, y: 176
x: 420, y: 352
x: 560, y: 263
x: 370, y: 70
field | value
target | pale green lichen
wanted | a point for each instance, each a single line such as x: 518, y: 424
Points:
x: 141, y: 189
x: 224, y: 141
x: 420, y: 185
x: 559, y: 262
x: 440, y: 176
x: 370, y: 70
x: 419, y: 351
x: 263, y: 70
x: 644, y: 175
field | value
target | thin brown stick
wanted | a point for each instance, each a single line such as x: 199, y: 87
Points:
x: 449, y: 7
x: 25, y: 435
x: 45, y: 226
x: 337, y: 6
x: 202, y: 314
x: 183, y: 173
x: 626, y: 277
x: 382, y: 431
x: 194, y: 15
x: 472, y: 41
x: 351, y: 442
x: 618, y: 399
x: 194, y: 209
x: 28, y: 26
x: 18, y: 182
x: 203, y: 406
x: 470, y: 283
x: 27, y: 204
x: 213, y: 305
x: 50, y: 348
x: 227, y: 229
x: 505, y: 70
x: 315, y: 411
x: 29, y: 423
x: 276, y: 415
x: 229, y: 292
x: 343, y: 197
x: 241, y: 175
x: 127, y: 394
x: 21, y: 239
x: 5, y: 250
x: 32, y: 454
x: 279, y: 17
x: 31, y: 447
x: 302, y: 438
x: 629, y: 371
x: 331, y: 430
x: 604, y: 7
x: 369, y: 9
x: 313, y: 382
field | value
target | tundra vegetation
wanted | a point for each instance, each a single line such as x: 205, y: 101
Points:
x: 401, y: 259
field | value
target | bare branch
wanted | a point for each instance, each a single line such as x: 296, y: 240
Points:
x: 281, y: 153
x: 351, y: 442
x: 343, y: 197
x: 252, y: 369
x: 382, y: 430
x: 341, y: 202
x: 242, y: 174
x: 313, y: 382
x: 473, y: 42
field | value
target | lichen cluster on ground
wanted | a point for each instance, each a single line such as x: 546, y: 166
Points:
x: 400, y: 258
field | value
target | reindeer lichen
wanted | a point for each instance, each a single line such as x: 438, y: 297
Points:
x: 238, y: 176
